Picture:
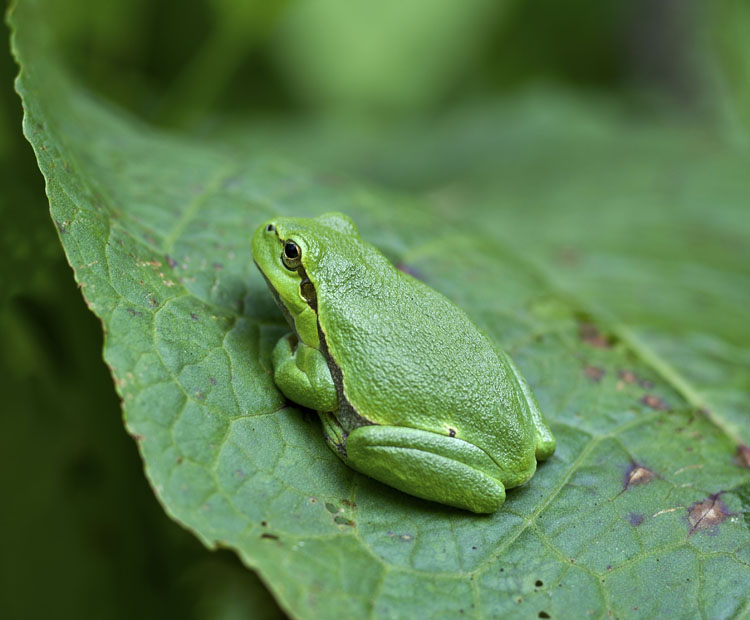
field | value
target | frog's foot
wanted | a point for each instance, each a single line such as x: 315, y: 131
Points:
x: 428, y: 465
x: 545, y: 440
x: 545, y: 443
x: 302, y: 374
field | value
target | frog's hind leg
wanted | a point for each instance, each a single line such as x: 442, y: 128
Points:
x: 428, y: 465
x: 545, y: 440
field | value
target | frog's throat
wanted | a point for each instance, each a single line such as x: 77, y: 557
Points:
x: 347, y: 415
x: 287, y: 315
x: 304, y: 324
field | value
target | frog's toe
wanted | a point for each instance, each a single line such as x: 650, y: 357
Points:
x: 545, y: 445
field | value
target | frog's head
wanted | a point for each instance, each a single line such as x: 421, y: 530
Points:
x: 289, y: 251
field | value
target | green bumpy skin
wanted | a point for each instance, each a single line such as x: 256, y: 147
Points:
x: 408, y: 389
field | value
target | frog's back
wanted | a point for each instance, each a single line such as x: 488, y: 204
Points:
x: 417, y: 360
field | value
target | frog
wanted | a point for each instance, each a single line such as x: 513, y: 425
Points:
x: 409, y: 391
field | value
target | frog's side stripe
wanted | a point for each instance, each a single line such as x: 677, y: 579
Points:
x: 348, y: 416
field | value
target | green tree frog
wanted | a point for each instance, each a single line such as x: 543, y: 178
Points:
x: 408, y: 389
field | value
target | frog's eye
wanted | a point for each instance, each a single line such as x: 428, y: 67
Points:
x: 291, y: 256
x: 270, y: 228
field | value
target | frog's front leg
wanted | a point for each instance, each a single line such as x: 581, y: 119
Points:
x: 435, y: 467
x: 302, y: 374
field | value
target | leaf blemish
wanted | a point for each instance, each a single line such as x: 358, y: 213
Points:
x: 654, y: 402
x: 635, y: 519
x: 591, y: 335
x: 637, y: 475
x: 269, y: 536
x: 595, y: 373
x: 707, y: 514
x: 743, y: 456
x: 628, y: 376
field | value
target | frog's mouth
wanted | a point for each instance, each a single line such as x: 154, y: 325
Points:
x: 277, y: 298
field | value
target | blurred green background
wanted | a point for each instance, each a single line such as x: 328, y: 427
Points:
x: 397, y: 93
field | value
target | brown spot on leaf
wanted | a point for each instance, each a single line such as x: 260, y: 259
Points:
x: 635, y: 519
x: 269, y: 536
x: 628, y: 376
x: 707, y: 514
x: 594, y: 373
x: 637, y: 475
x: 743, y: 456
x: 568, y: 256
x: 591, y: 335
x: 344, y: 521
x: 654, y: 402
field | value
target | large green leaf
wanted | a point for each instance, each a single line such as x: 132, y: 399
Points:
x: 85, y: 529
x: 564, y: 253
